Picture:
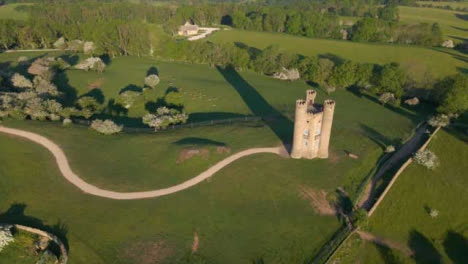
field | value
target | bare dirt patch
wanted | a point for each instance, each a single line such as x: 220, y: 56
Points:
x: 186, y: 154
x: 195, y: 243
x: 223, y: 149
x: 317, y: 199
x: 148, y: 252
x: 97, y: 84
x: 333, y: 157
x: 385, y: 242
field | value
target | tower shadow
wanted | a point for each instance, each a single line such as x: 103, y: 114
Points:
x: 278, y: 123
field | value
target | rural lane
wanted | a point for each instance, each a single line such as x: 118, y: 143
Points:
x: 67, y: 172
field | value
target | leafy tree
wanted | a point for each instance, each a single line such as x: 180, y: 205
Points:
x: 343, y: 75
x: 294, y: 24
x: 439, y: 120
x: 174, y: 99
x: 127, y: 98
x: 266, y: 61
x: 370, y: 29
x: 319, y: 73
x: 389, y: 13
x: 364, y: 72
x: 152, y: 80
x: 391, y: 79
x: 8, y: 34
x: 88, y: 106
x: 106, y: 127
x: 164, y: 117
x: 451, y: 93
x: 360, y: 218
x: 427, y: 159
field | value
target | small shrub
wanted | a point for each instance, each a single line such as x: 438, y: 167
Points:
x: 106, y: 127
x: 427, y: 159
x: 360, y: 218
x: 67, y: 122
x: 390, y: 149
x: 20, y: 81
x: 5, y: 237
x: 127, y: 98
x: 152, y: 80
x: 387, y: 98
x: 164, y: 118
x: 174, y: 99
x: 439, y: 120
x: 434, y: 213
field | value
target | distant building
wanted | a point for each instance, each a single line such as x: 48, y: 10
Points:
x: 312, y: 127
x: 188, y: 29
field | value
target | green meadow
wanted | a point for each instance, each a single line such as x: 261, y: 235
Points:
x: 454, y: 24
x: 403, y: 216
x: 419, y: 61
x: 9, y: 11
x: 249, y: 211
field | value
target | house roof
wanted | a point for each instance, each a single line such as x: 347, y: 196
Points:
x: 188, y: 26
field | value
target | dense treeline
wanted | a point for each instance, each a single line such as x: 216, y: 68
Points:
x: 380, y: 25
x: 120, y: 28
x: 115, y: 28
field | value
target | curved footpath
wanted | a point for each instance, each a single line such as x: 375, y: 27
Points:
x: 66, y: 171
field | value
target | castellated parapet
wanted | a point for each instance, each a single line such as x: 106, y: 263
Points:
x: 312, y: 127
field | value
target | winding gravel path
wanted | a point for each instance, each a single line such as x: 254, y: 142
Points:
x: 67, y: 172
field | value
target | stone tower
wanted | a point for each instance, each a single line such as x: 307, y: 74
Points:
x: 312, y: 127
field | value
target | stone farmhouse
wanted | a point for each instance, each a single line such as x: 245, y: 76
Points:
x: 188, y: 29
x: 312, y: 127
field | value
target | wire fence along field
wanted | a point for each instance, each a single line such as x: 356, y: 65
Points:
x: 227, y: 121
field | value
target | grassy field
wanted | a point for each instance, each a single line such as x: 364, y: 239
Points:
x: 248, y: 211
x: 417, y: 60
x: 461, y: 4
x: 403, y: 215
x: 454, y: 24
x: 9, y: 11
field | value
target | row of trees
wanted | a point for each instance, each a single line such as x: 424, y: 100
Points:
x: 389, y: 81
x: 115, y: 28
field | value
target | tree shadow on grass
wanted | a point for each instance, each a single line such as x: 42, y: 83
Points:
x: 70, y: 59
x: 208, y: 116
x: 131, y: 87
x: 15, y: 215
x: 462, y: 16
x: 152, y: 70
x: 420, y: 111
x: 96, y: 94
x: 278, y: 123
x: 115, y: 109
x: 378, y: 138
x: 151, y: 107
x: 424, y: 250
x: 195, y: 141
x: 456, y: 247
x: 69, y: 93
x: 337, y: 60
x: 387, y: 254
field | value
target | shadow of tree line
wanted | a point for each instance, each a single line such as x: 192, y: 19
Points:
x: 424, y: 252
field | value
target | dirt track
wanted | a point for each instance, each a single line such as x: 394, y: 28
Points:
x: 67, y: 172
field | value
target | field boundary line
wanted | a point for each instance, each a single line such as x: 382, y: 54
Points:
x: 398, y: 173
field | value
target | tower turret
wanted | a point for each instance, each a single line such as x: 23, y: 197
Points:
x: 310, y: 99
x: 300, y: 125
x: 327, y: 120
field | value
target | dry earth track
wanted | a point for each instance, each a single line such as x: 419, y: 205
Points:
x: 68, y: 174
